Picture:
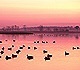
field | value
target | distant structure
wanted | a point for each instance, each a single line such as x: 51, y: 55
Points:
x: 40, y: 29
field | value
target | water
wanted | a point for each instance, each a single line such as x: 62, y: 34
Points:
x: 63, y: 42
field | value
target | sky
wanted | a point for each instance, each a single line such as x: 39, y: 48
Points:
x: 39, y: 12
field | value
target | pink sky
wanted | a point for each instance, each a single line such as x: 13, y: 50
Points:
x: 39, y: 12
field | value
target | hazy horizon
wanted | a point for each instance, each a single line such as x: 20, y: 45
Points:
x: 44, y: 24
x: 39, y: 12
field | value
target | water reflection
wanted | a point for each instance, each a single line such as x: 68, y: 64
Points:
x: 76, y: 35
x: 61, y: 50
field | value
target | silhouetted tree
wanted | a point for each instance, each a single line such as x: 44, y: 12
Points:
x: 41, y: 28
x: 24, y: 27
x: 67, y: 30
x: 77, y: 27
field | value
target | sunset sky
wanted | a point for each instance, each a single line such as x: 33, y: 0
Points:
x: 39, y: 12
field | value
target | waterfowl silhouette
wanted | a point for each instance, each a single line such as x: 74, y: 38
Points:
x: 49, y: 55
x: 37, y: 41
x: 43, y: 42
x: 29, y: 57
x: 23, y: 45
x: 0, y: 41
x: 66, y: 53
x: 14, y: 56
x: 7, y: 57
x: 6, y: 40
x: 28, y: 47
x: 20, y: 47
x: 12, y: 45
x: 45, y: 51
x: 47, y: 58
x: 35, y: 48
x: 2, y: 52
x: 34, y: 41
x: 18, y: 51
x: 53, y: 41
x: 2, y: 48
x: 13, y: 40
x: 46, y: 42
x: 73, y: 48
x: 9, y: 49
x: 78, y: 48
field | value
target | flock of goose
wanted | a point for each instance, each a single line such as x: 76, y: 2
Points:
x: 29, y: 57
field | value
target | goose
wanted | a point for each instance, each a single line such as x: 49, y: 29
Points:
x: 20, y: 47
x: 18, y: 51
x: 13, y: 40
x: 78, y: 48
x: 45, y: 51
x: 2, y: 52
x: 35, y: 48
x: 29, y: 57
x: 47, y: 58
x: 2, y: 48
x: 49, y: 55
x: 0, y: 41
x: 28, y: 47
x: 14, y: 56
x: 9, y: 48
x: 73, y: 48
x: 66, y: 53
x: 7, y: 57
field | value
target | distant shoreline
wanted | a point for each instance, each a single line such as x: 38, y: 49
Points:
x: 14, y: 32
x: 40, y: 29
x: 24, y: 32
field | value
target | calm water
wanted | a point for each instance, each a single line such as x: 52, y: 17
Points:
x: 58, y: 61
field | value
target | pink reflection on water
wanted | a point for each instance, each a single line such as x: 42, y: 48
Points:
x: 57, y: 49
